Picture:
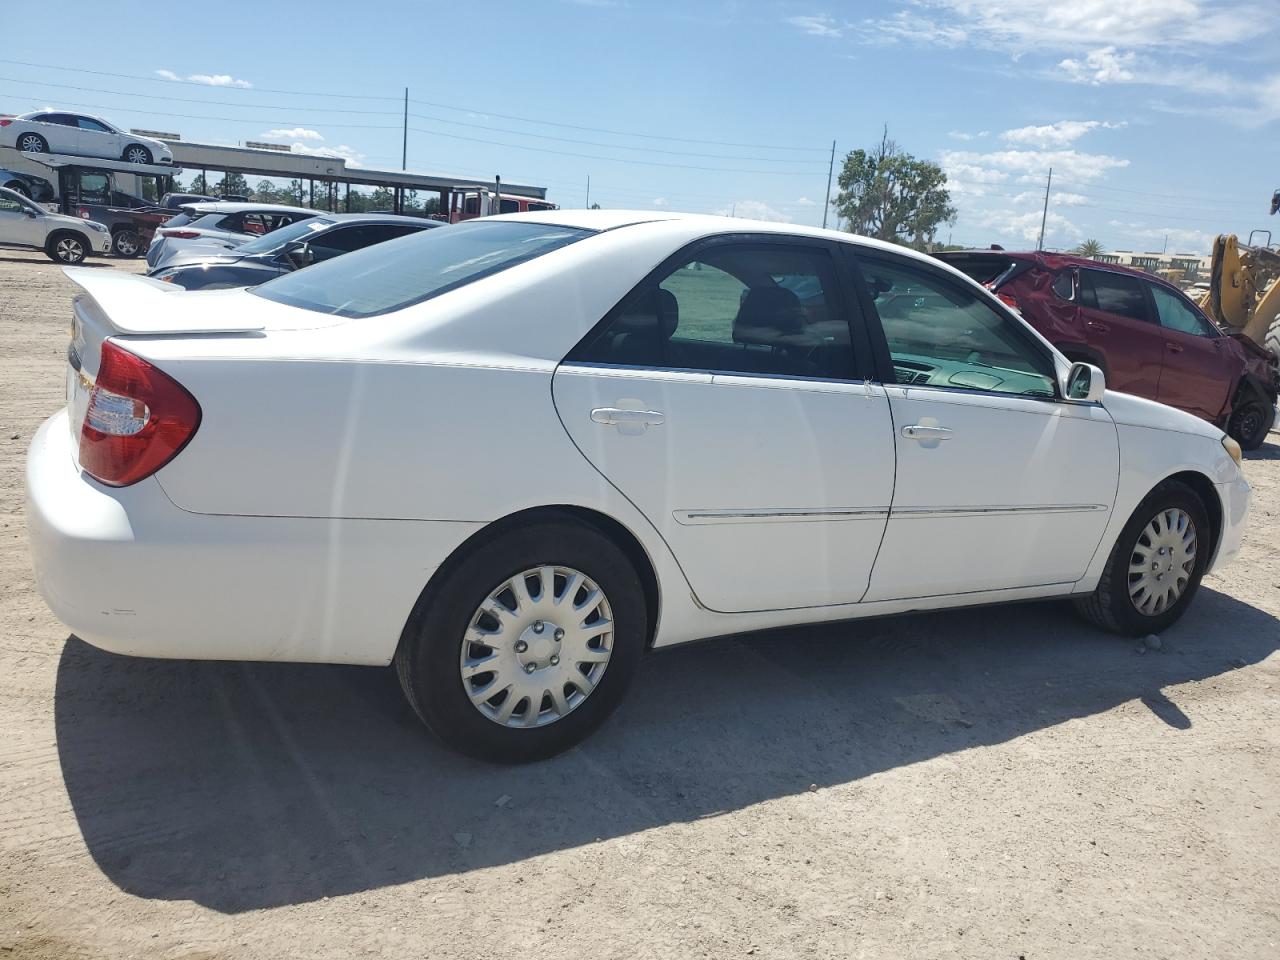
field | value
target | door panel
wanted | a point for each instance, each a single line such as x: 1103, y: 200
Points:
x: 18, y: 228
x: 61, y: 133
x: 1116, y: 321
x: 771, y: 492
x: 1018, y: 494
x: 1198, y: 373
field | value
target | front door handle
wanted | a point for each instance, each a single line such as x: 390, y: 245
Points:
x: 1097, y: 327
x: 628, y: 421
x: 1174, y: 347
x: 921, y: 431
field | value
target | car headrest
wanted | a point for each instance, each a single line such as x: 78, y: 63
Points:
x: 765, y: 314
x: 655, y: 311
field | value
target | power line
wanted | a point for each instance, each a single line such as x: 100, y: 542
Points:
x: 428, y: 103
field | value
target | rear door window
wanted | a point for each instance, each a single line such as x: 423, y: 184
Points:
x: 1113, y: 293
x: 1064, y: 284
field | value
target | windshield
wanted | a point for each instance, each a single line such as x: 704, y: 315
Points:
x: 398, y: 273
x: 270, y: 242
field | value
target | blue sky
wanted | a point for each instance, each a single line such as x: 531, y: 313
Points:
x: 1158, y: 116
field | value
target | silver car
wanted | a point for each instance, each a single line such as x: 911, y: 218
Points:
x: 219, y: 225
x: 64, y: 239
x: 50, y: 131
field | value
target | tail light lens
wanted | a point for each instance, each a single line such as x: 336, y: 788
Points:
x: 5, y: 123
x: 180, y: 234
x: 1007, y: 299
x: 137, y: 420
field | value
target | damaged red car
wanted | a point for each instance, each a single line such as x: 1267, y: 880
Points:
x: 1148, y: 338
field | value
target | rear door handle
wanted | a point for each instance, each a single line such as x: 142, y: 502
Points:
x: 1175, y: 347
x: 919, y: 431
x: 1097, y: 327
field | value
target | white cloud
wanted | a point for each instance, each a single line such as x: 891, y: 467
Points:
x: 294, y: 133
x: 1026, y: 25
x: 659, y: 201
x: 753, y: 210
x: 1104, y: 65
x: 961, y: 135
x: 1181, y: 239
x: 208, y: 79
x: 1030, y: 164
x: 351, y: 155
x: 1007, y: 225
x: 1060, y: 134
x: 806, y: 202
x: 820, y: 25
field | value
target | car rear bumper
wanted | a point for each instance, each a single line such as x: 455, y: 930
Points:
x: 131, y: 573
x: 1235, y: 497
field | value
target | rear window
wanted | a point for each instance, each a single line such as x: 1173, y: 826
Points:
x: 982, y: 267
x: 400, y: 273
x: 180, y: 220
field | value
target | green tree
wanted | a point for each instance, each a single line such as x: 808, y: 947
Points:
x: 233, y: 184
x: 1090, y: 249
x: 888, y: 194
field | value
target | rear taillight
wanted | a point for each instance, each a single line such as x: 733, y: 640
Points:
x: 5, y: 123
x: 137, y: 420
x: 1008, y: 300
x: 180, y: 234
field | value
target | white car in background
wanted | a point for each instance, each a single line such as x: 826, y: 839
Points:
x: 510, y: 455
x: 50, y: 131
x: 64, y: 239
x: 219, y: 225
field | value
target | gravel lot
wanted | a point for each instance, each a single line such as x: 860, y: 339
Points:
x: 989, y: 783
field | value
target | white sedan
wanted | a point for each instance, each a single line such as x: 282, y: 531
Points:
x: 51, y: 131
x: 511, y: 455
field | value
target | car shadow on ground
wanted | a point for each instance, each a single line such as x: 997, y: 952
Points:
x: 84, y: 263
x: 1269, y: 450
x: 242, y: 786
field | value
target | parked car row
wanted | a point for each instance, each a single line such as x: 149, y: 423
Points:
x: 517, y: 452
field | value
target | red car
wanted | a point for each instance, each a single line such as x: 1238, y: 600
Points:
x: 1147, y: 337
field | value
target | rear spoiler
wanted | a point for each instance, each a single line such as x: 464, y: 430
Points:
x: 141, y: 306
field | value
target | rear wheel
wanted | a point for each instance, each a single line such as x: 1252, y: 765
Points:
x: 68, y: 248
x: 525, y: 645
x: 17, y: 186
x: 1251, y: 421
x: 136, y: 153
x: 33, y: 143
x: 1155, y: 566
x: 126, y: 243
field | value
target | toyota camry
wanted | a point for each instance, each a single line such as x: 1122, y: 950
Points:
x: 511, y: 456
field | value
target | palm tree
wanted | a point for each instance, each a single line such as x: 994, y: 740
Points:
x: 1090, y: 249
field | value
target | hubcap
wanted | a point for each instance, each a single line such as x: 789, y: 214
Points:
x: 126, y: 244
x: 1250, y: 422
x: 1162, y: 562
x: 32, y: 144
x: 69, y: 250
x: 537, y: 647
x: 137, y: 155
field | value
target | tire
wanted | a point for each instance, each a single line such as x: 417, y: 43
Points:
x: 33, y: 143
x: 1272, y: 339
x: 17, y: 186
x: 433, y: 649
x: 126, y: 243
x: 66, y: 247
x: 1111, y: 606
x: 1251, y: 421
x: 136, y: 153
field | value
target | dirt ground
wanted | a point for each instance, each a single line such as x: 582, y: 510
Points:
x: 1002, y: 782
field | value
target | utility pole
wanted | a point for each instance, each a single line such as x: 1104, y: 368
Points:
x: 588, y: 191
x: 830, y: 167
x: 404, y: 149
x: 1045, y: 215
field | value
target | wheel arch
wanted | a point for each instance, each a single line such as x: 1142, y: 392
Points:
x: 614, y: 530
x: 53, y: 236
x: 1208, y: 493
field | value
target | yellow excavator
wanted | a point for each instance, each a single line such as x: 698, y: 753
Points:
x: 1244, y: 286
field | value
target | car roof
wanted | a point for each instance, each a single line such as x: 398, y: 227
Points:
x: 601, y: 220
x: 396, y: 218
x: 239, y: 206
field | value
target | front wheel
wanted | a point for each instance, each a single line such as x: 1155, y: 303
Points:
x: 66, y: 248
x: 126, y: 243
x: 1155, y: 566
x: 136, y: 153
x: 1250, y: 423
x: 525, y: 645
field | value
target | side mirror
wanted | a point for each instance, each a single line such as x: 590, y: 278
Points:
x: 1084, y: 383
x: 29, y: 212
